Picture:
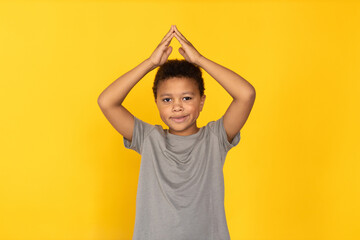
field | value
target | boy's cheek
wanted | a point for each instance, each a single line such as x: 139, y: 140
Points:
x: 164, y: 113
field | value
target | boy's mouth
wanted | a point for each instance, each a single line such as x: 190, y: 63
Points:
x: 179, y: 119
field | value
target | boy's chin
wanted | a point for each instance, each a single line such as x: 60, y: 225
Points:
x: 174, y: 129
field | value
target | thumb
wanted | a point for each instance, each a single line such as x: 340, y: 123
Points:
x: 168, y: 51
x: 165, y: 56
x: 181, y: 51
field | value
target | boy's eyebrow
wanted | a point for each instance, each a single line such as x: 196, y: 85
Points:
x: 184, y: 93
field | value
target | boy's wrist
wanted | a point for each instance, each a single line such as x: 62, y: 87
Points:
x: 150, y: 65
x: 200, y: 60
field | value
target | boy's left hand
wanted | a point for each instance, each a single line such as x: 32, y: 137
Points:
x: 187, y: 50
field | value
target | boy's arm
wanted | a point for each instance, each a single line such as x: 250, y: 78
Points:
x: 242, y: 92
x: 110, y: 100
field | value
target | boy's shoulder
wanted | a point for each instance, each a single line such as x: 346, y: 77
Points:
x: 215, y: 124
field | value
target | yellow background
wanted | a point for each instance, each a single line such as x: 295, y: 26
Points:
x: 64, y: 172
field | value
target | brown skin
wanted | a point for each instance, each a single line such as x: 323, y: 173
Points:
x: 179, y: 104
x: 242, y: 92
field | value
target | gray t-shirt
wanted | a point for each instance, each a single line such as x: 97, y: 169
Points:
x: 180, y: 193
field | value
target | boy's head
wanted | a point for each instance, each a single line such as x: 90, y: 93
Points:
x: 179, y: 68
x: 179, y: 95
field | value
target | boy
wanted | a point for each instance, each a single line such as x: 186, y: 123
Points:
x: 181, y: 187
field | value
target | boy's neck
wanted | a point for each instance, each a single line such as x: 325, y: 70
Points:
x: 186, y: 132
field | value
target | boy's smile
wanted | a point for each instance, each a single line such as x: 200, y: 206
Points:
x: 179, y: 119
x: 179, y: 104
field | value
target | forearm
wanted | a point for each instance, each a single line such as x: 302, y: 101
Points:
x: 233, y: 83
x: 116, y: 92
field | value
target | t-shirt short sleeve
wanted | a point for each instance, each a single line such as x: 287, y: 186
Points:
x: 141, y: 130
x: 218, y: 129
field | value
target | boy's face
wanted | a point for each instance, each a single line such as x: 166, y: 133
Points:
x: 179, y: 103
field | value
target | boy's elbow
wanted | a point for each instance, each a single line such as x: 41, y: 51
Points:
x: 252, y: 96
x: 101, y: 101
x: 253, y: 93
x: 249, y: 94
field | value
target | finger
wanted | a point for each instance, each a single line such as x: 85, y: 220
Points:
x: 168, y: 34
x: 180, y: 36
x: 181, y: 41
x: 178, y: 32
x: 168, y: 40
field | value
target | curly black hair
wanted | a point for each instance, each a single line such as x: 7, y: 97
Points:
x: 179, y: 68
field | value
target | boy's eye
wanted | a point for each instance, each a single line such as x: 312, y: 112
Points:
x: 166, y: 99
x: 187, y: 98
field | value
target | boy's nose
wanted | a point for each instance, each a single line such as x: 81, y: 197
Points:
x: 177, y: 107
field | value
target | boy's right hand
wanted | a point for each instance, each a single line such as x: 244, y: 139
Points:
x: 163, y: 50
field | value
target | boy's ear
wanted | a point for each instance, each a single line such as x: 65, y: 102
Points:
x: 202, y: 101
